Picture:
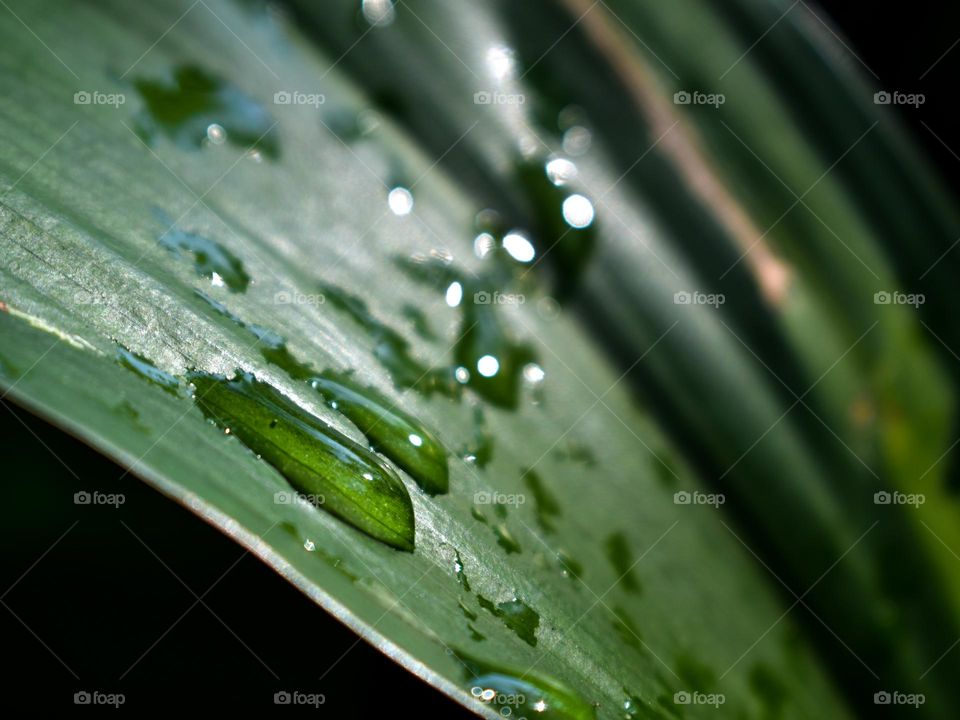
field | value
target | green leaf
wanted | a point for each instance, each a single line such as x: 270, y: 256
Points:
x: 178, y: 203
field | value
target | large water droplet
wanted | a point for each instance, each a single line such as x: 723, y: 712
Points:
x: 391, y: 431
x: 528, y: 693
x: 356, y: 485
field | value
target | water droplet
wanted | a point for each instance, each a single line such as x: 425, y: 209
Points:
x: 392, y: 350
x: 462, y: 375
x: 546, y: 505
x: 379, y: 13
x: 516, y: 615
x: 577, y: 141
x: 210, y: 259
x: 193, y: 107
x: 147, y: 370
x: 578, y: 211
x: 480, y: 450
x: 391, y: 431
x: 622, y: 560
x: 535, y: 694
x: 400, y: 201
x: 501, y: 62
x: 505, y: 538
x: 533, y: 373
x: 216, y: 134
x: 560, y: 171
x: 315, y: 458
x: 461, y: 574
x: 483, y: 245
x: 454, y: 294
x: 309, y: 546
x: 518, y: 246
x: 488, y: 366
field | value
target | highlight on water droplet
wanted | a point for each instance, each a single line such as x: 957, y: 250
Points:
x: 577, y: 140
x: 488, y: 366
x: 578, y: 211
x: 216, y: 134
x: 357, y: 486
x: 560, y: 171
x: 519, y: 246
x: 533, y: 373
x: 400, y: 201
x: 379, y: 13
x: 454, y: 294
x: 483, y: 245
x: 501, y: 62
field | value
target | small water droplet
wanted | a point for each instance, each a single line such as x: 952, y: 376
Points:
x: 379, y: 13
x: 519, y: 246
x: 501, y: 62
x: 533, y: 373
x: 488, y: 366
x: 560, y: 171
x: 309, y: 546
x: 462, y: 375
x: 454, y: 294
x: 578, y: 211
x: 400, y: 201
x: 216, y: 134
x: 483, y: 245
x: 143, y: 367
x: 577, y: 141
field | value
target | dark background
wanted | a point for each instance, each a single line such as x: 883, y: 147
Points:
x: 98, y: 600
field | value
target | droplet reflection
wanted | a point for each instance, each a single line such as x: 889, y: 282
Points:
x: 578, y: 211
